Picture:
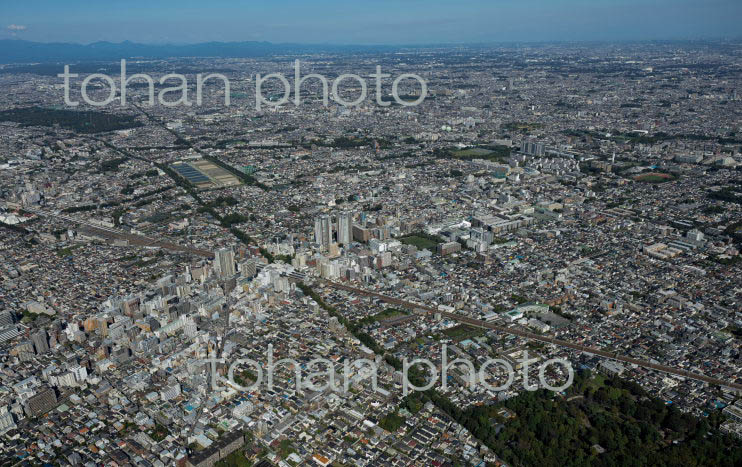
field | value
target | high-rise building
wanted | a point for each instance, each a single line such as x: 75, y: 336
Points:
x: 6, y: 319
x: 130, y: 305
x: 189, y: 327
x: 533, y: 148
x: 323, y: 231
x: 481, y: 235
x: 224, y: 262
x: 80, y: 373
x: 345, y: 227
x: 360, y: 234
x: 40, y: 342
x: 249, y: 268
x: 6, y: 419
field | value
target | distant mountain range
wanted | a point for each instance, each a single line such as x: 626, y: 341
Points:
x: 19, y: 51
x: 16, y: 51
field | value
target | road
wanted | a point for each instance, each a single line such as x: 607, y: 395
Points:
x: 537, y: 337
x: 146, y: 241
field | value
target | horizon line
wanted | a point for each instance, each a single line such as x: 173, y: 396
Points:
x: 398, y: 44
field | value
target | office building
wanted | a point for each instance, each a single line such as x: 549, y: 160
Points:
x: 360, y: 234
x: 80, y: 373
x: 40, y: 342
x: 224, y: 263
x: 6, y: 419
x: 345, y: 227
x: 323, y: 231
x: 532, y: 148
x: 448, y: 248
x: 6, y: 319
x: 249, y: 268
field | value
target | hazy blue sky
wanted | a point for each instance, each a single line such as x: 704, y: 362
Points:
x: 367, y: 22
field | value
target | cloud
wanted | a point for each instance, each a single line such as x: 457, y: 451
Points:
x: 14, y: 29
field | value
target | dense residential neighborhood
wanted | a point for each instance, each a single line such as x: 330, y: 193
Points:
x: 588, y: 195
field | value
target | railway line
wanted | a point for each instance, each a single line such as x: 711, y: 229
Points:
x: 538, y: 337
x: 114, y: 234
x: 139, y: 240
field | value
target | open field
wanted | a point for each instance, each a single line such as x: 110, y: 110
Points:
x: 419, y: 242
x: 654, y: 177
x: 476, y: 152
x: 205, y: 174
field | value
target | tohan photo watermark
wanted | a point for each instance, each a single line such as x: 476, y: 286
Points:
x: 325, y: 369
x: 177, y: 93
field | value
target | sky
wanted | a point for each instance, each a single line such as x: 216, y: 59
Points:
x: 369, y: 21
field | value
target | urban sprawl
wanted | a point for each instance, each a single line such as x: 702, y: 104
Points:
x: 561, y: 202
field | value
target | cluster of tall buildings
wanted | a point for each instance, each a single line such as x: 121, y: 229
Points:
x: 532, y: 148
x: 342, y: 228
